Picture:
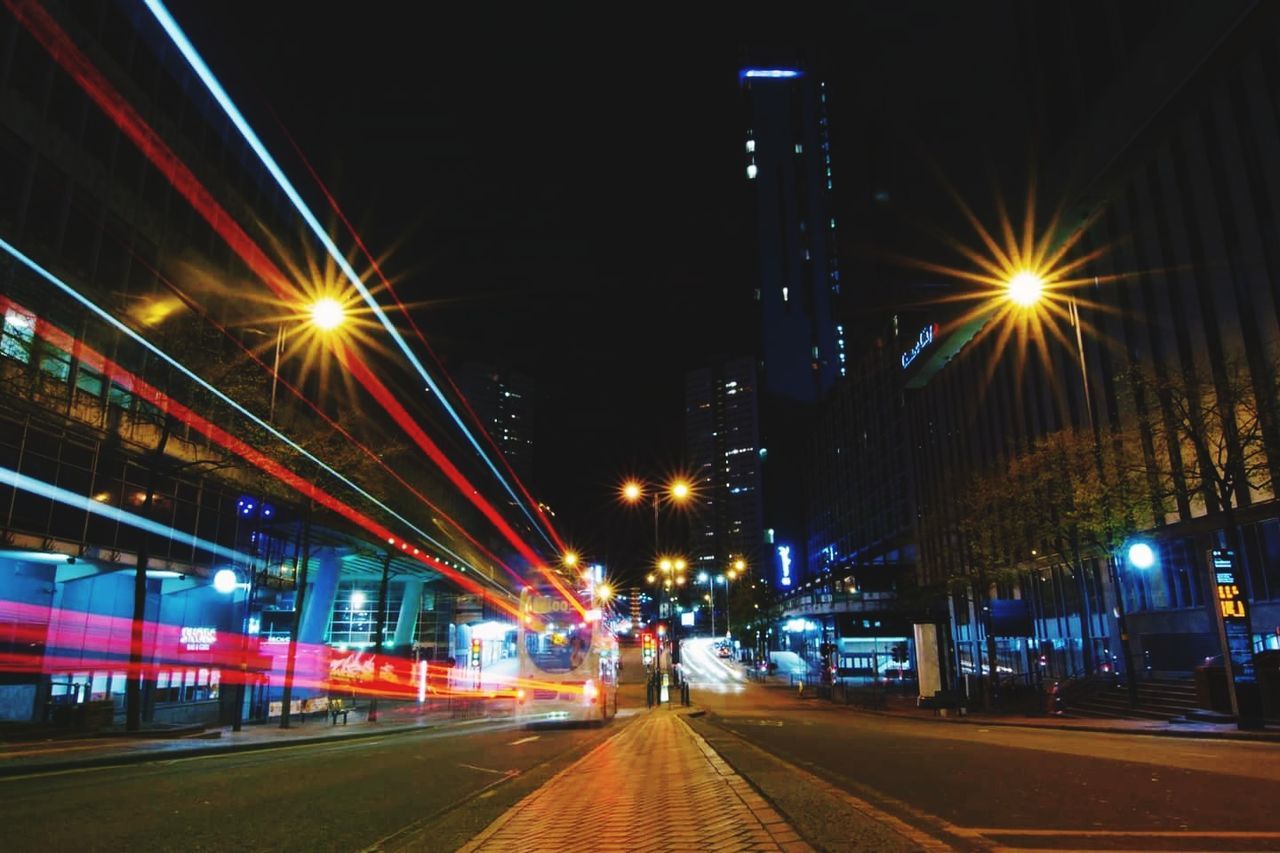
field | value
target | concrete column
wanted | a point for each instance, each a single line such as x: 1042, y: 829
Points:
x: 321, y: 591
x: 407, y: 621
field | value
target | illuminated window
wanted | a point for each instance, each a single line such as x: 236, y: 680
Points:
x: 751, y: 172
x: 56, y: 363
x: 751, y: 146
x: 799, y: 148
x: 17, y: 336
x: 784, y: 294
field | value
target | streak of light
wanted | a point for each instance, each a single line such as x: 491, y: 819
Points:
x: 9, y: 477
x: 558, y: 544
x: 56, y: 42
x: 203, y: 71
x: 196, y: 308
x: 163, y: 402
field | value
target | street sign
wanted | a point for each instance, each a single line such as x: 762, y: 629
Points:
x: 1233, y: 613
x: 1236, y: 636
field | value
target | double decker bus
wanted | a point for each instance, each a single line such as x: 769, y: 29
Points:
x: 568, y: 660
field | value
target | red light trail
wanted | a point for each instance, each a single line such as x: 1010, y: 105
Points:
x: 59, y: 46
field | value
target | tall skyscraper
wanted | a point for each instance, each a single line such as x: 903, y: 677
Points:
x: 722, y: 438
x: 503, y: 400
x: 800, y: 348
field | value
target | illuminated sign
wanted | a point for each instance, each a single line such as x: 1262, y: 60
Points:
x: 1231, y: 603
x: 1234, y: 627
x: 927, y: 336
x: 198, y: 639
x: 784, y: 554
x: 770, y: 73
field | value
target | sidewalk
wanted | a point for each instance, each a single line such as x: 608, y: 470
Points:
x: 904, y: 705
x: 656, y: 766
x: 19, y: 757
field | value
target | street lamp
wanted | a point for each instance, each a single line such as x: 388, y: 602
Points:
x: 326, y: 315
x: 677, y: 492
x: 226, y: 582
x: 1026, y: 289
x: 731, y: 574
x: 1141, y: 556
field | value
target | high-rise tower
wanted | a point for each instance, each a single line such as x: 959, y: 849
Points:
x: 800, y: 347
x: 722, y: 437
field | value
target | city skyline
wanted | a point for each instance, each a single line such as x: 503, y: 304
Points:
x: 524, y: 196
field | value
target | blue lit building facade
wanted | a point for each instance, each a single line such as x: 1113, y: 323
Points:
x: 797, y: 291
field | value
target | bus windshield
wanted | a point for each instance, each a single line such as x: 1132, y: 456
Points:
x: 554, y: 637
x: 558, y: 648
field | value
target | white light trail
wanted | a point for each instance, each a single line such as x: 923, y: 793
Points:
x: 206, y: 75
x: 12, y: 478
x: 124, y: 329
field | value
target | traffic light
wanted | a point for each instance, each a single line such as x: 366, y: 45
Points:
x: 476, y: 645
x: 647, y: 648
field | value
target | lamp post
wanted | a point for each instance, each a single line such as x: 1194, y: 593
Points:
x: 677, y: 492
x: 326, y: 315
x: 1026, y: 289
x: 379, y: 626
x: 227, y: 581
x: 732, y: 574
x: 1140, y: 555
x: 711, y: 598
x: 670, y: 575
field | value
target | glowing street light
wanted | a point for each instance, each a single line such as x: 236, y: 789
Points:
x: 1141, y: 556
x: 1026, y: 288
x: 327, y: 314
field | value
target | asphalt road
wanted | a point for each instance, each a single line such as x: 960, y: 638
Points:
x: 428, y: 790
x: 966, y: 786
x: 846, y: 780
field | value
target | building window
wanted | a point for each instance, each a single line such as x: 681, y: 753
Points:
x: 18, y: 334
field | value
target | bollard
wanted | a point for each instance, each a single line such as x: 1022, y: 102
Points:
x: 684, y: 693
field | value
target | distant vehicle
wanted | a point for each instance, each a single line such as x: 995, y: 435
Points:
x: 724, y: 650
x: 568, y: 662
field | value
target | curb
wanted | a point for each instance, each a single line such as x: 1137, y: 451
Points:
x: 1259, y: 737
x: 126, y: 758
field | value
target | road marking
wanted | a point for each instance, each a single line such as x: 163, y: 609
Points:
x: 524, y: 740
x: 485, y: 769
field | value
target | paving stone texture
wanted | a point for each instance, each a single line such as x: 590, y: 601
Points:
x: 656, y: 786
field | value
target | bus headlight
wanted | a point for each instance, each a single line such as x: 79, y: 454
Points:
x: 520, y: 694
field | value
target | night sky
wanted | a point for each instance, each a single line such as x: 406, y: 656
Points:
x: 563, y: 192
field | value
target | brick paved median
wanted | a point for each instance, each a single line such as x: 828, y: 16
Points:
x: 655, y: 786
